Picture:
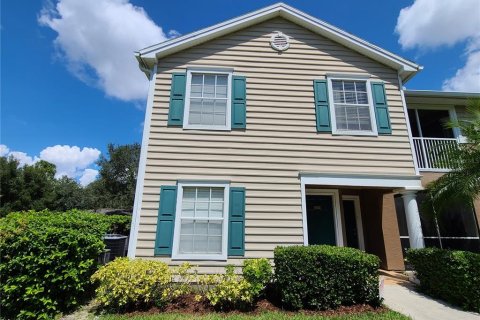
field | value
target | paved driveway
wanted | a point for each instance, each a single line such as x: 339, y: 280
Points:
x: 403, y: 298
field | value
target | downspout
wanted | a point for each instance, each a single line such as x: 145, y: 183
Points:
x: 137, y: 206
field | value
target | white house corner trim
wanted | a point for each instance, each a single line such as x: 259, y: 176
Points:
x: 407, y: 120
x: 304, y: 213
x: 137, y: 206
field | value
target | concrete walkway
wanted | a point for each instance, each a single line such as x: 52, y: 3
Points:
x: 400, y: 296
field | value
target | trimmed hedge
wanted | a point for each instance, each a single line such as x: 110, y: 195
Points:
x: 453, y: 276
x: 47, y: 259
x: 326, y: 277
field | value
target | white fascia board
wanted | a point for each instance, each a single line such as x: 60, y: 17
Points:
x: 405, y: 67
x: 362, y: 180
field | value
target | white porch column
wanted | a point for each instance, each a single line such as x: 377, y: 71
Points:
x: 413, y: 219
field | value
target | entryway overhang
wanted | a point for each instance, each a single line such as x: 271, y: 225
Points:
x: 402, y: 182
x: 336, y: 185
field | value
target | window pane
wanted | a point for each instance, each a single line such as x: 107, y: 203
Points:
x: 203, y: 194
x: 337, y: 85
x: 195, y: 111
x: 201, y: 227
x: 216, y: 209
x: 215, y: 228
x: 348, y: 86
x: 186, y: 244
x: 217, y: 194
x: 361, y: 86
x: 341, y: 117
x: 362, y: 98
x: 209, y: 86
x: 221, y: 89
x: 215, y: 244
x: 338, y: 97
x: 350, y: 97
x: 202, y: 209
x: 186, y: 228
x: 200, y: 244
x: 188, y: 208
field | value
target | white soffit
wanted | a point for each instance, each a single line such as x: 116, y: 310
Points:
x: 149, y: 55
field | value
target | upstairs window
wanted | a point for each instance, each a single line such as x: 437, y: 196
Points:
x: 352, y: 107
x: 208, y: 101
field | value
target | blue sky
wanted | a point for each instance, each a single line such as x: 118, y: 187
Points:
x: 61, y: 101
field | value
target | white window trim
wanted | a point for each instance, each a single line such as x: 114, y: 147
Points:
x: 333, y: 118
x: 358, y: 218
x: 176, y: 231
x: 336, y: 214
x: 186, y: 112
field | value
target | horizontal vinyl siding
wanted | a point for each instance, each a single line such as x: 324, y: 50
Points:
x: 280, y: 140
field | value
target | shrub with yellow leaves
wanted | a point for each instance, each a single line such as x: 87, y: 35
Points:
x: 125, y: 284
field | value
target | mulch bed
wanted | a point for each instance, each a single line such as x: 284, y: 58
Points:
x: 188, y: 305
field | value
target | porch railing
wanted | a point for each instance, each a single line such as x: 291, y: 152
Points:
x: 432, y: 153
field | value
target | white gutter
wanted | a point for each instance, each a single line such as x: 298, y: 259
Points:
x: 137, y: 206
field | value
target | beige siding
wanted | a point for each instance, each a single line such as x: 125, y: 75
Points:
x: 280, y: 140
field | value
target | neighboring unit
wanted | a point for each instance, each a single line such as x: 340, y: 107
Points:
x: 275, y: 128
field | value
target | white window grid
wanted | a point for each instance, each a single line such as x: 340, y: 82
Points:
x: 176, y: 254
x: 207, y: 219
x: 189, y: 97
x: 333, y: 104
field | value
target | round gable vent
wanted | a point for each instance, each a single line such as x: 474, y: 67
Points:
x: 279, y: 41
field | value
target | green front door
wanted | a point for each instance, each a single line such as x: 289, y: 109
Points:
x: 320, y: 220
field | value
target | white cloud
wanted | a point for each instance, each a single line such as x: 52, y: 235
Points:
x: 22, y: 158
x: 3, y: 150
x: 70, y: 161
x: 430, y: 24
x: 100, y: 36
x: 88, y: 176
x: 466, y: 78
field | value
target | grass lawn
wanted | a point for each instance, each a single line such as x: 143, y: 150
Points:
x: 388, y: 315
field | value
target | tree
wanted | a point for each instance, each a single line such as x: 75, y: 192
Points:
x: 461, y: 185
x: 30, y: 187
x: 68, y: 195
x: 118, y: 174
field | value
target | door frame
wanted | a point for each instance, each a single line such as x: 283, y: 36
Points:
x: 336, y: 214
x: 358, y: 218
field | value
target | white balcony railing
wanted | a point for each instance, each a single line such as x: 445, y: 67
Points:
x: 432, y: 153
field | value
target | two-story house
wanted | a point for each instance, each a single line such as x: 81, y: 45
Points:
x: 276, y: 128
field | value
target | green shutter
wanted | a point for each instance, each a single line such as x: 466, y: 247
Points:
x: 322, y: 110
x: 177, y: 99
x: 239, y: 102
x: 236, y: 222
x: 381, y: 108
x: 166, y: 220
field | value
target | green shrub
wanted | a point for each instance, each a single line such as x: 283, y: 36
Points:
x: 258, y: 273
x: 119, y: 224
x: 47, y: 259
x: 453, y: 276
x: 325, y: 277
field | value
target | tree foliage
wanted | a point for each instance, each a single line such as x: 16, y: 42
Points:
x: 461, y: 185
x: 118, y: 174
x: 34, y: 187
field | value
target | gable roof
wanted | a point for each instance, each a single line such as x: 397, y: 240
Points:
x: 149, y: 55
